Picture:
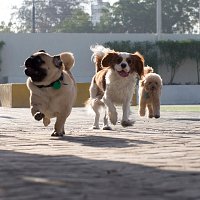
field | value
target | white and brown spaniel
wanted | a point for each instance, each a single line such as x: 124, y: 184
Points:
x: 114, y: 83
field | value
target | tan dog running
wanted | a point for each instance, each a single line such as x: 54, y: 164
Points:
x: 52, y: 87
x: 149, y: 93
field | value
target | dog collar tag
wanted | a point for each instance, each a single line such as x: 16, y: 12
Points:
x: 57, y: 85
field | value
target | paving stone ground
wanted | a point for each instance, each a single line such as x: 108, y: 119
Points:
x: 156, y: 159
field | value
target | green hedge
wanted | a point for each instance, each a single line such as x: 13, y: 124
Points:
x: 169, y: 53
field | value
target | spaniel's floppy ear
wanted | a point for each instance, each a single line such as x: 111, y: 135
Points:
x: 68, y: 60
x: 109, y: 59
x: 138, y: 62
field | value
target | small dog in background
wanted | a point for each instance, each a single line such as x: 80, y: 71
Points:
x: 52, y: 87
x: 149, y: 93
x: 113, y: 83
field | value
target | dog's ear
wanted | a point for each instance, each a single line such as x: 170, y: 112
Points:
x: 109, y: 59
x: 57, y: 61
x: 42, y: 51
x: 138, y: 64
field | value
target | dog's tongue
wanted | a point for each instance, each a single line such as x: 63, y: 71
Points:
x: 123, y: 73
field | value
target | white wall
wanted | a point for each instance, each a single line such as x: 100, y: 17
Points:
x: 180, y: 94
x: 20, y: 46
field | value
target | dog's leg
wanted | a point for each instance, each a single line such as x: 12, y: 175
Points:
x: 59, y: 125
x: 95, y: 104
x: 150, y: 109
x: 126, y: 111
x: 105, y: 122
x: 142, y: 106
x: 97, y: 117
x: 156, y: 106
x: 112, y: 112
x: 38, y: 107
x: 46, y: 121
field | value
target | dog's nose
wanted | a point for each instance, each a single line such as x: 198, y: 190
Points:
x: 153, y: 87
x: 123, y: 65
x: 28, y: 62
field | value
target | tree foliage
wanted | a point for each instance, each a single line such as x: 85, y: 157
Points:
x: 48, y: 14
x: 130, y: 16
x: 78, y: 22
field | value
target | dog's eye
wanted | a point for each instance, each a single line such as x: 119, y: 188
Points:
x: 119, y: 60
x: 129, y: 61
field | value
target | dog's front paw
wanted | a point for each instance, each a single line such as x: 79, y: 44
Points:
x: 56, y: 134
x: 95, y: 127
x: 113, y: 117
x: 127, y: 123
x: 38, y: 116
x: 108, y: 128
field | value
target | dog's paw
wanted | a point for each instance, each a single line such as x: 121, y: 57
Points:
x: 157, y: 116
x: 56, y: 134
x: 95, y: 127
x: 127, y: 123
x: 46, y: 121
x: 38, y: 116
x: 107, y: 128
x: 151, y: 116
x: 113, y: 117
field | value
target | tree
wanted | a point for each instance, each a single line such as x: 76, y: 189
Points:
x: 135, y: 16
x: 106, y: 24
x: 139, y: 16
x: 78, y: 22
x: 48, y: 14
x: 179, y: 16
x: 6, y: 28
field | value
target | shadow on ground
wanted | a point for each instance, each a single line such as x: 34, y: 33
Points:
x: 30, y: 176
x: 101, y: 141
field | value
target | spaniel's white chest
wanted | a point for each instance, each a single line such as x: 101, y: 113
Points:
x: 119, y: 89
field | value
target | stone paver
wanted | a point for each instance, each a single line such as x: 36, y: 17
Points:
x: 153, y: 160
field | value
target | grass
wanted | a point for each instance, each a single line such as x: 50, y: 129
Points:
x: 180, y: 108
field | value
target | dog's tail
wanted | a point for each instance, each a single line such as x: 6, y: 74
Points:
x: 95, y: 103
x: 148, y: 70
x: 99, y: 52
x: 68, y: 60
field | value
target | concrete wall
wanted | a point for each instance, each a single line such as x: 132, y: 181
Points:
x: 180, y: 94
x: 20, y: 46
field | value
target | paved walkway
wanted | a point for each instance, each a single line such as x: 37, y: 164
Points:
x: 153, y: 160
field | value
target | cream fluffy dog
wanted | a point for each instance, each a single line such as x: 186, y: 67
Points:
x: 149, y: 93
x: 52, y: 87
x: 114, y: 83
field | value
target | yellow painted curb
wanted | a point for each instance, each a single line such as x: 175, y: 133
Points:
x: 16, y: 95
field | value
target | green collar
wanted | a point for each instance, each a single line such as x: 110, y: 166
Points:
x: 55, y: 85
